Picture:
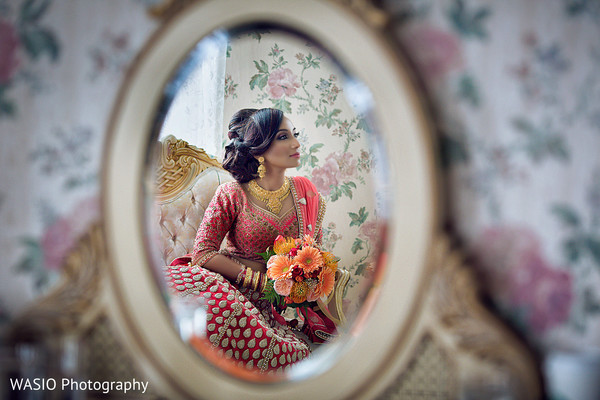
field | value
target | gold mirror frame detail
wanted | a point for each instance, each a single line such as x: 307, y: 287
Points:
x: 449, y: 312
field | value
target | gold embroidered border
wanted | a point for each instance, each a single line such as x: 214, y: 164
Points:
x: 298, y: 212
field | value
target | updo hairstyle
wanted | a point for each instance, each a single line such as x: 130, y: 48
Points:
x: 251, y: 132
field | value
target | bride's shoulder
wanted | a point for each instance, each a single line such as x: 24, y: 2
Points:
x: 231, y: 187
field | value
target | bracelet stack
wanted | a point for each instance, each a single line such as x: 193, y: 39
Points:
x: 251, y: 279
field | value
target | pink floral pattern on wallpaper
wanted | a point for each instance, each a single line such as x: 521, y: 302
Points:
x: 9, y: 45
x: 336, y: 174
x: 435, y: 51
x: 60, y: 237
x: 538, y: 294
x: 282, y: 82
x: 44, y: 256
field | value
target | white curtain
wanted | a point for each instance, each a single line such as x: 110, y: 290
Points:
x: 196, y: 113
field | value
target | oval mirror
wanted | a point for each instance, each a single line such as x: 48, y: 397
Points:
x: 363, y: 143
x: 339, y: 151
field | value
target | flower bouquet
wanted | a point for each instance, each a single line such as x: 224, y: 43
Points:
x: 299, y: 272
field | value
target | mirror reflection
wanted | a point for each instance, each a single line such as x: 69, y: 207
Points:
x: 268, y: 204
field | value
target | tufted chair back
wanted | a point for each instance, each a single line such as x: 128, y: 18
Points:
x: 186, y: 181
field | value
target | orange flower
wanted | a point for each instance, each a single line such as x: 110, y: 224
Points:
x: 298, y: 292
x: 308, y: 240
x: 326, y: 283
x: 283, y: 287
x: 279, y: 267
x: 309, y: 258
x: 283, y: 245
x: 330, y: 260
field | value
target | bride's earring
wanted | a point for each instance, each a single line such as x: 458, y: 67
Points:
x: 261, y: 167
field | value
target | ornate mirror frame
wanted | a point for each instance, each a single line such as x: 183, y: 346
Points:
x: 424, y: 294
x: 412, y: 225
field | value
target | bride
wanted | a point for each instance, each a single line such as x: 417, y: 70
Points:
x: 249, y: 213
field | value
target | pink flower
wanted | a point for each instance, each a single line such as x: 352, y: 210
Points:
x: 326, y: 176
x: 436, y: 52
x: 60, y: 237
x: 369, y: 231
x: 282, y: 82
x: 338, y: 168
x: 522, y: 279
x: 56, y: 242
x: 9, y: 44
x: 283, y: 287
x: 347, y: 165
x: 544, y: 291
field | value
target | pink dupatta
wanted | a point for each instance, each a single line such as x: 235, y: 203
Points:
x: 308, y: 202
x: 318, y: 325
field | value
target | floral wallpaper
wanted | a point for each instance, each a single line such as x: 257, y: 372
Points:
x: 516, y: 101
x: 514, y: 89
x: 277, y: 69
x: 61, y: 65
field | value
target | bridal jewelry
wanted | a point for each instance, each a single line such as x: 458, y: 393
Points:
x: 261, y: 167
x: 273, y: 198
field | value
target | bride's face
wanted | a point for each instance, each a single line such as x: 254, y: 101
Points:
x: 283, y: 152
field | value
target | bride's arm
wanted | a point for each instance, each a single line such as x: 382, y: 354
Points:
x: 218, y: 219
x: 230, y: 268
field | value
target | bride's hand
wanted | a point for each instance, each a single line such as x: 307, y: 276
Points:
x: 255, y: 265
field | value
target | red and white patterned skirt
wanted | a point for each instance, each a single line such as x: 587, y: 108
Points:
x: 239, y: 325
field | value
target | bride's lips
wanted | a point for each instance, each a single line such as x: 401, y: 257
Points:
x: 295, y: 155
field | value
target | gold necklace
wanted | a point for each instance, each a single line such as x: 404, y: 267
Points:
x: 272, y: 198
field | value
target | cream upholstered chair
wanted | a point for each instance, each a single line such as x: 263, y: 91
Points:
x: 186, y: 181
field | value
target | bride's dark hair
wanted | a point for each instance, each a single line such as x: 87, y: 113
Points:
x: 251, y: 132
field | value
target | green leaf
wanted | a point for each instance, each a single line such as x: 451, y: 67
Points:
x: 593, y: 246
x: 261, y: 66
x: 267, y: 254
x: 469, y: 22
x: 567, y: 215
x: 315, y: 147
x: 361, y: 269
x: 33, y: 258
x: 541, y: 143
x: 453, y: 151
x: 32, y: 10
x: 357, y: 245
x: 346, y: 188
x: 7, y: 108
x: 313, y: 161
x: 283, y: 105
x: 335, y: 193
x: 572, y: 250
x: 590, y: 302
x: 259, y: 80
x: 468, y: 91
x: 38, y: 41
x: 358, y: 218
x: 310, y: 62
x: 363, y: 124
x: 271, y: 295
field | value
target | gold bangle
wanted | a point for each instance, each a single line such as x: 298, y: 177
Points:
x: 255, y: 280
x: 263, y: 286
x: 240, y: 275
x: 248, y: 277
